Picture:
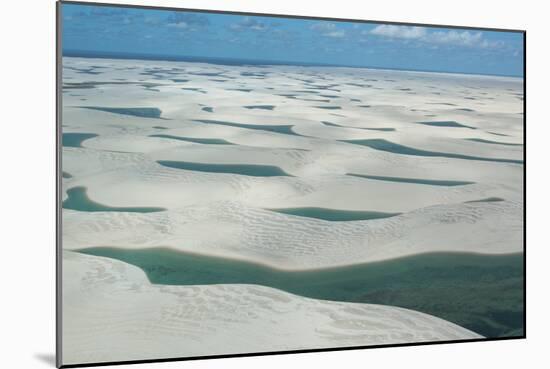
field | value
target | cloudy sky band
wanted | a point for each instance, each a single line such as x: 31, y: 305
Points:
x: 164, y: 32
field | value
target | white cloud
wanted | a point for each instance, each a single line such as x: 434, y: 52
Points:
x: 249, y: 24
x: 465, y: 38
x: 328, y: 29
x: 336, y: 34
x: 451, y: 37
x: 388, y: 30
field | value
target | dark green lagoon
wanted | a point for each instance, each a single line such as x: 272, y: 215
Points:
x: 370, y: 129
x: 283, y: 129
x: 253, y: 170
x: 75, y: 139
x: 329, y: 107
x: 334, y: 215
x: 239, y: 89
x: 492, y: 142
x: 446, y: 123
x: 378, y: 129
x: 264, y: 107
x: 332, y: 124
x: 135, y: 112
x: 384, y: 145
x: 498, y: 134
x: 483, y: 293
x: 488, y: 199
x: 205, y: 141
x: 78, y: 200
x: 91, y: 84
x: 431, y: 182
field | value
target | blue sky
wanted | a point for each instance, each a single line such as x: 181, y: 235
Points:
x: 163, y: 32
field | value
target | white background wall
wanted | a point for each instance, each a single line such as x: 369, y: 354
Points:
x: 27, y: 146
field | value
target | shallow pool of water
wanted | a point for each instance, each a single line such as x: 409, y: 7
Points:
x: 383, y: 145
x: 431, y: 182
x: 493, y: 142
x: 78, y: 200
x: 335, y: 215
x: 483, y: 293
x: 135, y: 112
x: 449, y: 123
x: 283, y: 129
x: 205, y: 141
x: 75, y: 139
x: 254, y: 170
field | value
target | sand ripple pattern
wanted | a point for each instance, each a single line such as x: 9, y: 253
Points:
x: 114, y: 301
x: 307, y: 122
x: 120, y: 164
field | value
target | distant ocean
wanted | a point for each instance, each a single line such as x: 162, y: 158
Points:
x: 239, y: 62
x: 193, y: 59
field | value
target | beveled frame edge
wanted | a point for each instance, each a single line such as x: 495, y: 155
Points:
x: 58, y: 187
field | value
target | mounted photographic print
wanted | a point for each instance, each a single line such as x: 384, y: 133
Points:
x: 236, y: 184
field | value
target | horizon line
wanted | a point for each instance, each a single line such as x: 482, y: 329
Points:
x: 100, y: 54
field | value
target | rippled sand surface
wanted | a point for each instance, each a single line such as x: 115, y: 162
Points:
x: 284, y: 166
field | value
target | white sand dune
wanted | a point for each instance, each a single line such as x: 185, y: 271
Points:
x: 292, y: 242
x: 111, y: 313
x: 319, y: 178
x: 120, y: 167
x: 286, y: 120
